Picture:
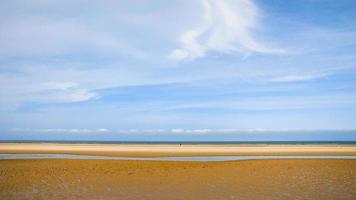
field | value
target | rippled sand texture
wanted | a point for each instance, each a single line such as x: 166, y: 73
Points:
x: 113, y: 179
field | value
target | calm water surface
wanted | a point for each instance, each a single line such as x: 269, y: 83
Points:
x: 192, y: 158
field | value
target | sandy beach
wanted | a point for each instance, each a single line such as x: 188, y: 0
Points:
x: 159, y: 150
x: 146, y: 179
x: 242, y: 180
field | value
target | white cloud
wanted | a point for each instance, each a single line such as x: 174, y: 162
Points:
x: 191, y: 131
x: 271, y: 102
x: 17, y: 90
x: 227, y: 27
x: 177, y: 130
x: 22, y: 130
x: 141, y: 131
x: 295, y: 78
x: 178, y: 54
x: 80, y: 95
x: 66, y: 92
x: 202, y: 131
x: 61, y: 85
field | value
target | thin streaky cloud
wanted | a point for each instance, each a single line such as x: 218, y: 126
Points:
x: 29, y: 130
x: 66, y: 92
x: 299, y: 77
x: 308, y: 75
x: 61, y: 85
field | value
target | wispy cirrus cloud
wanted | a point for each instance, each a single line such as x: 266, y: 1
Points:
x: 51, y: 130
x: 307, y: 75
x: 300, y: 77
x: 61, y: 85
x: 227, y: 27
x: 65, y: 92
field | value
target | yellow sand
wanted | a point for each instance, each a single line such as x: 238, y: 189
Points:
x: 314, y: 179
x: 177, y: 150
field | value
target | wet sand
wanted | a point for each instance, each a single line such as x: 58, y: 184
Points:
x: 115, y: 179
x: 159, y: 150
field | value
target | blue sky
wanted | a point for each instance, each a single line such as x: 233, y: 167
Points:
x: 172, y: 70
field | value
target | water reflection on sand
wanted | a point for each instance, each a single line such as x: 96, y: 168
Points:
x: 190, y: 158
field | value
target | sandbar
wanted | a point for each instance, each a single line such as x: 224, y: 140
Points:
x: 162, y: 150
